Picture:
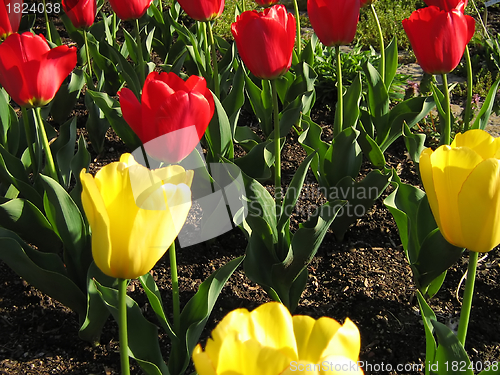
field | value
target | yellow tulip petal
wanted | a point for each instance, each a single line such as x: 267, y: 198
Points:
x: 236, y: 322
x: 128, y: 159
x: 202, y: 362
x: 478, y: 140
x: 271, y: 324
x: 339, y: 365
x: 318, y: 337
x: 450, y: 168
x: 345, y: 343
x: 95, y: 211
x: 426, y: 175
x: 174, y: 174
x: 479, y: 207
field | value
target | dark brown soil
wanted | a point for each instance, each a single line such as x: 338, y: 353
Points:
x: 365, y: 278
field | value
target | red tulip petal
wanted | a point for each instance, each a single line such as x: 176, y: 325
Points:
x: 54, y: 68
x: 131, y: 111
x: 11, y: 75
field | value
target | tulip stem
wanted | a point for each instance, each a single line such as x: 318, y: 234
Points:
x: 381, y: 41
x: 175, y: 288
x: 122, y: 325
x: 468, y: 294
x: 446, y: 129
x: 88, y: 56
x: 468, y: 101
x: 160, y: 6
x: 27, y: 130
x: 47, y: 24
x: 140, y: 57
x: 114, y: 28
x: 145, y: 155
x: 339, y: 113
x: 45, y: 143
x: 277, y: 151
x: 214, y: 60
x: 298, y: 42
x: 243, y: 8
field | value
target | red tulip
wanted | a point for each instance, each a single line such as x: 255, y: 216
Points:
x: 202, y: 10
x: 448, y: 5
x: 438, y: 38
x: 265, y: 40
x: 130, y: 9
x: 334, y: 21
x: 80, y: 12
x: 10, y: 17
x: 31, y: 71
x: 266, y: 3
x: 172, y: 115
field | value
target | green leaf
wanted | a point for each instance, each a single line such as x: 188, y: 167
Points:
x: 391, y: 62
x: 450, y: 350
x: 352, y: 98
x: 66, y: 97
x: 142, y: 335
x: 344, y: 147
x: 42, y: 270
x: 63, y: 149
x: 12, y: 171
x: 113, y: 114
x: 219, y: 134
x: 369, y: 147
x: 67, y: 221
x: 304, y: 246
x: 415, y: 143
x: 436, y: 255
x: 80, y: 161
x: 263, y: 112
x: 484, y: 114
x: 257, y: 163
x: 97, y: 125
x: 154, y: 298
x: 378, y: 99
x: 427, y: 317
x: 293, y: 191
x: 126, y: 71
x: 310, y: 139
x: 24, y: 218
x: 195, y: 314
x: 97, y: 312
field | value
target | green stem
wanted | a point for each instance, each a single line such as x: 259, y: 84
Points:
x: 298, y: 42
x: 214, y: 60
x: 47, y: 24
x: 381, y: 41
x: 468, y: 101
x: 27, y: 130
x: 277, y: 151
x: 145, y: 155
x: 339, y: 113
x: 122, y: 325
x: 175, y: 288
x: 160, y: 6
x: 446, y: 135
x: 88, y: 54
x: 206, y: 49
x: 45, y: 143
x: 140, y: 57
x: 243, y: 8
x: 114, y: 28
x: 468, y: 294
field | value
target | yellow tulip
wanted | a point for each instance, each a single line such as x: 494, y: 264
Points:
x: 135, y: 214
x: 462, y: 182
x: 269, y: 341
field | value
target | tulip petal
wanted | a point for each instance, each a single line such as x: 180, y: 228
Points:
x: 202, y: 362
x: 97, y: 216
x: 54, y: 68
x: 312, y: 339
x: 345, y: 343
x: 131, y: 111
x: 450, y: 169
x: 479, y: 207
x: 271, y: 324
x: 426, y: 174
x: 479, y: 141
